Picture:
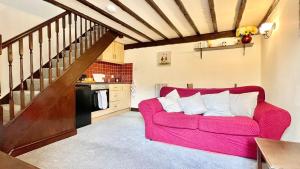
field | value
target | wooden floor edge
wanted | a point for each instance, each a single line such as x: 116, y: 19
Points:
x: 40, y: 143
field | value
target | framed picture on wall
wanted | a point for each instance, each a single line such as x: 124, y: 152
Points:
x: 164, y: 58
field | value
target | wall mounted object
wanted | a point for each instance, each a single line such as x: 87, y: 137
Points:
x: 245, y: 33
x: 240, y: 45
x: 266, y: 29
x: 164, y: 58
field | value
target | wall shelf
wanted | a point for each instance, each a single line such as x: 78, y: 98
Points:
x: 244, y: 46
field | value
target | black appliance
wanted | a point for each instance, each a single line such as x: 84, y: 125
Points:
x: 87, y: 102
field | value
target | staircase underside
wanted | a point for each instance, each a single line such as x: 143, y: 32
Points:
x: 50, y: 116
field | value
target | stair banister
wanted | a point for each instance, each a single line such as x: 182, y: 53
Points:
x: 31, y: 66
x: 57, y: 47
x: 70, y: 38
x: 49, y: 53
x: 22, y: 96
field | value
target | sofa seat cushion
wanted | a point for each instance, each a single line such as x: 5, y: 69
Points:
x: 176, y: 120
x: 237, y: 125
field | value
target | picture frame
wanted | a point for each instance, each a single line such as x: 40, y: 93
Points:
x: 164, y: 58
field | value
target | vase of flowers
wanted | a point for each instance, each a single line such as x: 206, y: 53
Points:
x: 245, y: 33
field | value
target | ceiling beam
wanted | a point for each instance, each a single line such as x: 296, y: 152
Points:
x: 137, y: 17
x: 60, y: 5
x: 187, y: 16
x: 240, y: 13
x: 163, y: 16
x: 109, y: 16
x: 272, y: 7
x: 213, y: 14
x: 195, y: 38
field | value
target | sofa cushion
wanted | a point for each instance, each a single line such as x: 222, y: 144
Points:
x: 237, y: 125
x: 177, y: 120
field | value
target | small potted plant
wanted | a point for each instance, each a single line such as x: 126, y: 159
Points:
x: 246, y: 32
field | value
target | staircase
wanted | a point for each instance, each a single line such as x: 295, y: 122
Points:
x: 40, y: 109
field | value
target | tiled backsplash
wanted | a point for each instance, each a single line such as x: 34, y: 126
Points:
x: 123, y: 72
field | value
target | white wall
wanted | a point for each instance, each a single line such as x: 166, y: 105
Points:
x: 18, y: 16
x: 281, y: 64
x: 221, y: 68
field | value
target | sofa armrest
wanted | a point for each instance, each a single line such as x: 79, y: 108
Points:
x: 149, y: 107
x: 272, y: 120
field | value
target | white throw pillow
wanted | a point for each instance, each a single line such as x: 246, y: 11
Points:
x: 243, y: 104
x: 170, y: 102
x: 217, y: 104
x: 193, y: 104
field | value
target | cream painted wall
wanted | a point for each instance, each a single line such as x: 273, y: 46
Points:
x: 217, y: 68
x: 281, y: 64
x: 19, y: 16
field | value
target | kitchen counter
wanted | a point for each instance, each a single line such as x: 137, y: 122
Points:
x: 89, y: 83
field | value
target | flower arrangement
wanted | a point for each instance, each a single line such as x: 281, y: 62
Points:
x: 246, y: 32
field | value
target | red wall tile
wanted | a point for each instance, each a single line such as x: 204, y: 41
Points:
x: 123, y: 72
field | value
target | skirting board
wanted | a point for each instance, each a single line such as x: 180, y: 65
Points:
x: 40, y: 143
x: 134, y: 109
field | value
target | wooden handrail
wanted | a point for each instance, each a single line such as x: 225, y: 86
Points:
x: 58, y: 4
x: 34, y: 29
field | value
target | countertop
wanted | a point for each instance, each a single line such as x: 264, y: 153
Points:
x: 90, y: 83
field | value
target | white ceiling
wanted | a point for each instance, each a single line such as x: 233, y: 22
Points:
x: 226, y: 12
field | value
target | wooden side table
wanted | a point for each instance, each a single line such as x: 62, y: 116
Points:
x: 278, y: 154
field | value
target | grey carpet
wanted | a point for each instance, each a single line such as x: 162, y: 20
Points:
x: 119, y: 143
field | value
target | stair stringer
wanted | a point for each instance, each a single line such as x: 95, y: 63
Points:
x: 51, y: 115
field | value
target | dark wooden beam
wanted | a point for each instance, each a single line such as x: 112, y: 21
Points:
x: 58, y: 4
x: 163, y: 16
x: 187, y: 39
x: 137, y: 17
x: 187, y: 16
x: 109, y: 16
x: 272, y: 7
x: 213, y: 14
x: 240, y: 13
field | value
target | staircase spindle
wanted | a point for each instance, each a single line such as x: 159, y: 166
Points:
x: 81, y: 43
x: 22, y: 95
x: 31, y: 66
x: 1, y: 115
x: 95, y: 33
x: 49, y: 53
x: 75, y: 22
x: 11, y: 96
x: 57, y: 47
x: 86, y: 35
x: 103, y: 30
x: 91, y: 34
x: 98, y: 30
x: 41, y: 59
x: 70, y: 39
x: 64, y: 42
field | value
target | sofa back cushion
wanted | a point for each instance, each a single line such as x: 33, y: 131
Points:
x: 184, y: 92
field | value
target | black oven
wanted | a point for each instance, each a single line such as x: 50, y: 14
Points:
x: 87, y: 96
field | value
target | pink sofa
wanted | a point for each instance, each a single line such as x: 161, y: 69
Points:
x: 228, y: 135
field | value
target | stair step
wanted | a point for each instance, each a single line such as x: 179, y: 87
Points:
x: 46, y: 72
x: 17, y: 96
x: 6, y: 115
x: 36, y: 83
x: 60, y: 63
